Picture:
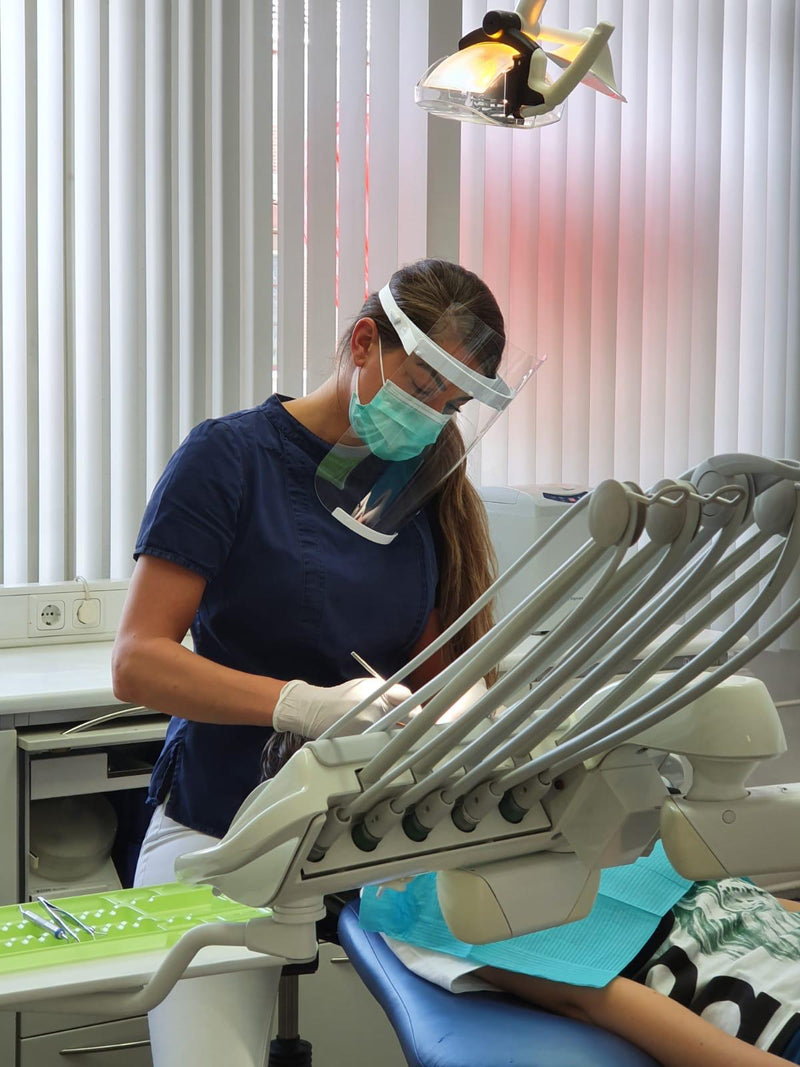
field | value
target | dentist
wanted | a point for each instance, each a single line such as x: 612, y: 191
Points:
x: 285, y: 537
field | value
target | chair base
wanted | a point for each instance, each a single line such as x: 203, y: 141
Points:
x: 289, y: 1052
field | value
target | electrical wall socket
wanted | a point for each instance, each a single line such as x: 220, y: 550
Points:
x: 74, y: 613
x: 49, y: 613
x: 60, y: 613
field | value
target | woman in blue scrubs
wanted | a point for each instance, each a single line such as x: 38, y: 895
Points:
x: 238, y: 547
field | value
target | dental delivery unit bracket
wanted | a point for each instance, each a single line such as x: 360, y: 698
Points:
x: 552, y: 774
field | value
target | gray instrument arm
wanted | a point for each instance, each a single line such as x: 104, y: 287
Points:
x: 532, y: 802
x: 699, y: 581
x: 458, y: 624
x: 422, y: 759
x: 487, y: 744
x: 482, y: 790
x: 484, y: 654
x: 551, y: 719
x: 785, y: 562
x: 665, y: 651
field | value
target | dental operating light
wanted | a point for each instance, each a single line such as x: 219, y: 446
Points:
x: 498, y: 76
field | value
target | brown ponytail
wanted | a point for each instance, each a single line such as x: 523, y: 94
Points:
x: 468, y: 564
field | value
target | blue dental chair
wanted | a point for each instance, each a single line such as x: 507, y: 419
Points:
x: 440, y: 1029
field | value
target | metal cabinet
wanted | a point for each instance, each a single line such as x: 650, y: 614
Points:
x: 337, y: 1013
x: 339, y: 1016
x: 52, y: 762
x: 122, y: 1043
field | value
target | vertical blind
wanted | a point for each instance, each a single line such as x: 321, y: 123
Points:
x: 195, y: 197
x: 651, y: 249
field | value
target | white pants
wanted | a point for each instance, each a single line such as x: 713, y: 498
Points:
x: 204, y: 1022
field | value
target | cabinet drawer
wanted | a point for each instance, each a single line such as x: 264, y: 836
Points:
x: 122, y: 1043
x: 123, y: 767
x: 36, y: 1023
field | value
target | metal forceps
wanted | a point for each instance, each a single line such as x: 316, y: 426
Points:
x: 58, y: 914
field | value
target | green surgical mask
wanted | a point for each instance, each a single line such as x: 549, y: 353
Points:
x: 394, y: 425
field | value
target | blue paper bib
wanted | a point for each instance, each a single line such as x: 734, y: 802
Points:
x: 630, y: 903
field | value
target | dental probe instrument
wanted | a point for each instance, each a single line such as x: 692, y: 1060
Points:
x: 366, y: 666
x: 372, y: 671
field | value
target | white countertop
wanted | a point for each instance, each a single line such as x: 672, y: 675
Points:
x: 117, y: 974
x: 56, y: 677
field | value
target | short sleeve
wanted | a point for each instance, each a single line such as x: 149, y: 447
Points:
x: 192, y: 514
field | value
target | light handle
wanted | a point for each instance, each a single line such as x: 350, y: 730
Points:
x: 573, y: 74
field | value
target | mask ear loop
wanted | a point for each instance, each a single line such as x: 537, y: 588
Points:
x: 357, y: 374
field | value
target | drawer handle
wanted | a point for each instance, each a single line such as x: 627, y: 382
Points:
x: 103, y: 1048
x: 340, y: 959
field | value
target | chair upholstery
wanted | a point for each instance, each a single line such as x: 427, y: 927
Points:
x: 441, y: 1029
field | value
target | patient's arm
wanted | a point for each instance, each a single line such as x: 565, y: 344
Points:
x: 790, y: 905
x: 666, y: 1030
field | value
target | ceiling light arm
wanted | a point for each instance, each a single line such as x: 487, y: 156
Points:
x: 530, y: 11
x: 573, y: 74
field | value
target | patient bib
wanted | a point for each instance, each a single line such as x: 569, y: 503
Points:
x: 630, y: 903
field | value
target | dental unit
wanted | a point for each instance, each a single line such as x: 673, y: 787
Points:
x: 554, y: 772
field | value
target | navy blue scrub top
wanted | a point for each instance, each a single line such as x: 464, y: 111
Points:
x: 291, y: 591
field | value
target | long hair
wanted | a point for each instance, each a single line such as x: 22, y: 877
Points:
x: 468, y: 564
x: 424, y: 290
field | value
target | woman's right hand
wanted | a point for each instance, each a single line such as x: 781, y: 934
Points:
x: 309, y: 710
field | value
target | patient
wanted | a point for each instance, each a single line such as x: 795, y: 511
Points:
x: 717, y: 984
x: 727, y: 956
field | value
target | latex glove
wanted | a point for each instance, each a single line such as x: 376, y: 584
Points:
x: 309, y: 710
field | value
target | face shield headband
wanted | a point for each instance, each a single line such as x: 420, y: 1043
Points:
x: 491, y: 391
x: 431, y: 408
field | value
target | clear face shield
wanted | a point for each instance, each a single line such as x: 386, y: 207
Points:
x: 430, y: 410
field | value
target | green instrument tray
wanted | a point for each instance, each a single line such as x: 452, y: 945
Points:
x: 124, y: 921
